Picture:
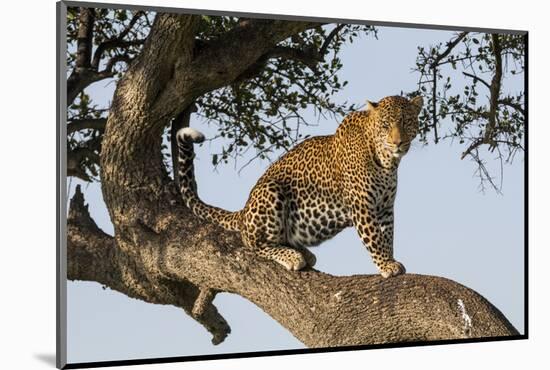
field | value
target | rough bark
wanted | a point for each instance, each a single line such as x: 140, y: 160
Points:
x: 319, y: 309
x: 161, y: 253
x: 92, y: 255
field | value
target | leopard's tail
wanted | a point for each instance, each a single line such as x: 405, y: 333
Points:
x: 186, y: 137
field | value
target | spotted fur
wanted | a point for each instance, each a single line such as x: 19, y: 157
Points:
x: 320, y: 187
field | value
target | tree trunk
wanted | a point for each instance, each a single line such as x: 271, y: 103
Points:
x: 161, y: 253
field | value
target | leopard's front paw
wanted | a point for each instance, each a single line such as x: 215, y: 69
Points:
x: 293, y: 262
x: 392, y: 268
x: 290, y: 258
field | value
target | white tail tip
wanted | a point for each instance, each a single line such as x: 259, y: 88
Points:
x: 188, y: 134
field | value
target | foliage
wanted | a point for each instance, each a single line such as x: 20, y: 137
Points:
x: 264, y: 108
x: 469, y: 93
x: 120, y: 34
x: 83, y: 108
x: 463, y: 81
x: 265, y: 112
x: 108, y: 25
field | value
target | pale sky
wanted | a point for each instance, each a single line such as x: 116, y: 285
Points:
x: 444, y: 226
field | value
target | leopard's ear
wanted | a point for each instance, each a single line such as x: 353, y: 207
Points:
x: 417, y: 102
x: 371, y: 105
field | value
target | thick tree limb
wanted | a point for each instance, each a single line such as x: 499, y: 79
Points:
x: 323, y: 310
x: 222, y: 61
x: 92, y: 255
x: 319, y: 309
x: 161, y: 253
x: 310, y: 58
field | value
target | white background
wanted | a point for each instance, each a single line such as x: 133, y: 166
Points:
x: 27, y: 194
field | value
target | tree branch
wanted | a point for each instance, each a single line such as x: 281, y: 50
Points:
x: 92, y: 255
x: 114, y: 60
x: 85, y: 35
x: 434, y: 103
x: 435, y: 63
x: 128, y: 28
x: 75, y: 158
x: 508, y: 102
x: 476, y: 78
x: 319, y: 309
x: 309, y: 58
x: 87, y: 123
x: 472, y: 147
x: 450, y: 46
x: 117, y: 42
x: 79, y: 80
x: 323, y: 310
x: 330, y: 37
x: 86, y: 68
x: 220, y: 62
x: 494, y: 89
x: 112, y: 44
x: 82, y: 70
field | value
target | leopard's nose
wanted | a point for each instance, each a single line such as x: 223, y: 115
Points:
x: 395, y: 137
x: 396, y: 140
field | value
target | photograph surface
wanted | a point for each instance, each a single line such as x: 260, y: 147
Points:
x: 242, y: 184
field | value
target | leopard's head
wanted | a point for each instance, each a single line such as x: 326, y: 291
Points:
x: 395, y: 121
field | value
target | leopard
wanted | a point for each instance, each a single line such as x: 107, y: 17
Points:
x: 321, y: 186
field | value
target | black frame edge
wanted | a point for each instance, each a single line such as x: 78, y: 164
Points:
x: 526, y: 191
x: 151, y: 361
